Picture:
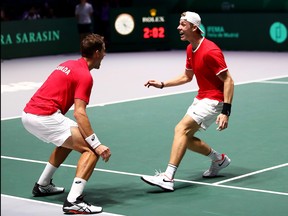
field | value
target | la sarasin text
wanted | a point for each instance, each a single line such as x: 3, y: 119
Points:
x: 30, y: 37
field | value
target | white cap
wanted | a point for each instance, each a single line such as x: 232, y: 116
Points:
x: 193, y: 18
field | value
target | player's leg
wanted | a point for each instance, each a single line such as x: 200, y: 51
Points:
x: 59, y: 155
x: 199, y: 146
x: 218, y: 160
x: 44, y: 127
x: 62, y: 131
x: 75, y: 203
x: 183, y: 135
x: 205, y: 113
x: 44, y: 185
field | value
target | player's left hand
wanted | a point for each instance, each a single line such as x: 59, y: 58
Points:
x: 153, y: 83
x: 104, y: 152
x: 222, y: 122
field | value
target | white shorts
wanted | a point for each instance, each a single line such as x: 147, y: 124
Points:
x: 54, y: 128
x: 205, y: 111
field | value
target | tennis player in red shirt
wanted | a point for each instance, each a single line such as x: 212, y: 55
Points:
x: 213, y: 102
x: 44, y: 117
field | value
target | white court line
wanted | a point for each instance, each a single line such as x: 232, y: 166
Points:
x: 138, y: 175
x: 162, y: 95
x: 250, y: 174
x: 234, y: 187
x: 67, y: 165
x: 52, y: 204
x: 30, y: 200
x: 273, y: 82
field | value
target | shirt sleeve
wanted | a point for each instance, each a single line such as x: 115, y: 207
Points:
x: 215, y: 61
x: 83, y: 89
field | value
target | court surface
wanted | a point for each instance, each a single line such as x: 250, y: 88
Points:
x: 138, y: 123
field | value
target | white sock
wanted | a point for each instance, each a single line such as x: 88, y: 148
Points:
x: 76, y: 189
x: 47, y: 174
x: 170, y: 171
x: 214, y: 155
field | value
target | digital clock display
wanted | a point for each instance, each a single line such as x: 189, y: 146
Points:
x: 155, y: 32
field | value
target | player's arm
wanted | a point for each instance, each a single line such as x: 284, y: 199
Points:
x: 222, y: 119
x: 86, y: 130
x: 228, y: 86
x: 183, y: 78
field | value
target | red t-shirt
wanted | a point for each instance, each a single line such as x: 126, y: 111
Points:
x: 207, y: 61
x: 71, y: 79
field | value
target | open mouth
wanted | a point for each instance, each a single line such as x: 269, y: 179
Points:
x: 181, y: 34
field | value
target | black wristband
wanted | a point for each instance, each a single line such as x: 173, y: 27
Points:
x: 162, y: 85
x: 226, y: 110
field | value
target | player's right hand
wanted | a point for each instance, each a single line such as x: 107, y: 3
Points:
x: 104, y: 152
x: 222, y: 122
x: 153, y: 83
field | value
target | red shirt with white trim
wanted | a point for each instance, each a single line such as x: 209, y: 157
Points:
x: 207, y: 61
x: 70, y: 80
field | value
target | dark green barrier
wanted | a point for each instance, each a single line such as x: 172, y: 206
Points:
x: 218, y: 6
x: 38, y: 37
x: 251, y: 32
x: 153, y: 30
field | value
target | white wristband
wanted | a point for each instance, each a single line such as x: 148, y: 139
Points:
x: 93, y: 141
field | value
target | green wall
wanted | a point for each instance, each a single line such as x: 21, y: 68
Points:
x: 216, y: 6
x: 38, y: 37
x: 243, y: 32
x: 231, y: 31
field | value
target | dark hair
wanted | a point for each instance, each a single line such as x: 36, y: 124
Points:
x: 90, y: 44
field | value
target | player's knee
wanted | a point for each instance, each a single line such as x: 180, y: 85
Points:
x: 81, y: 146
x: 180, y: 129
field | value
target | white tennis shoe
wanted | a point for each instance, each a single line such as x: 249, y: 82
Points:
x: 80, y: 207
x: 216, y: 166
x: 50, y: 189
x: 160, y: 180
